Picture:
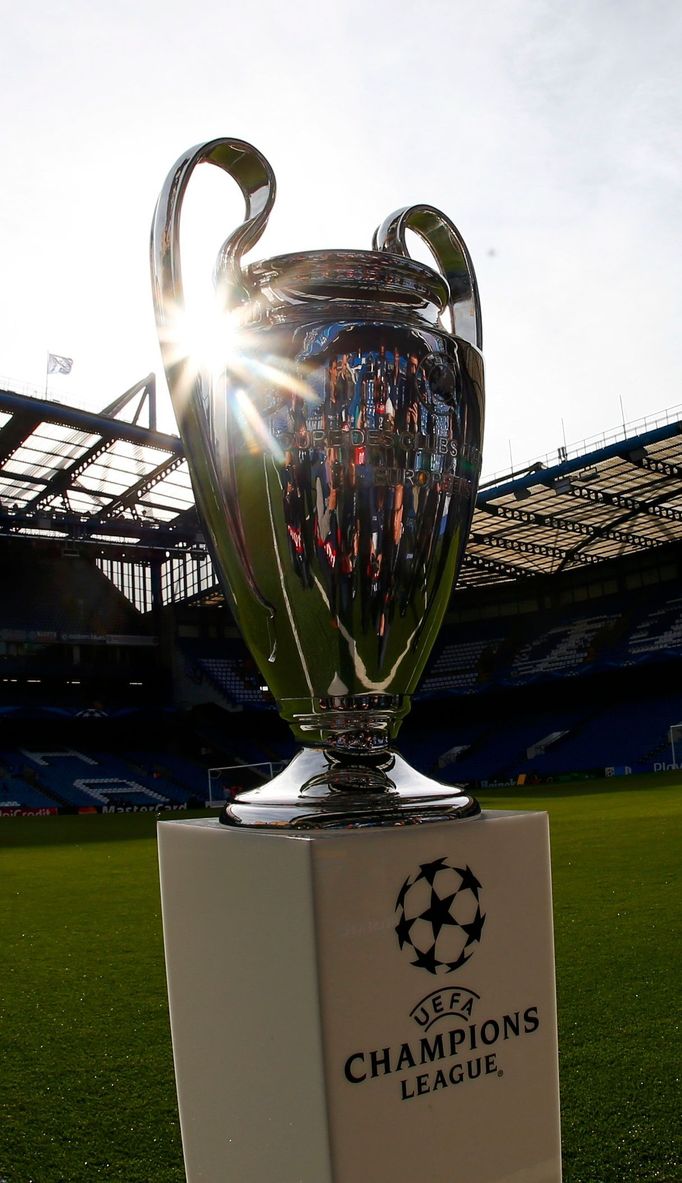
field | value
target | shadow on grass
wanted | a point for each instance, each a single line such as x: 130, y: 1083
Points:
x: 82, y: 829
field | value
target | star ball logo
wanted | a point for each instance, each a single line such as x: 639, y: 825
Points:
x: 439, y: 916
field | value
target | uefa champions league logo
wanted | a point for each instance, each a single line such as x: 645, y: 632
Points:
x: 439, y: 916
x: 439, y: 927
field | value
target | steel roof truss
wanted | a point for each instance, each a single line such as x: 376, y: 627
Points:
x: 655, y: 508
x: 129, y: 498
x: 494, y: 565
x: 664, y: 514
x: 569, y: 526
x: 524, y: 546
x: 651, y: 464
x: 15, y: 432
x: 66, y: 477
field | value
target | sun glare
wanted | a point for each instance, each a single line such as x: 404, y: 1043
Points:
x: 206, y: 348
x: 207, y: 337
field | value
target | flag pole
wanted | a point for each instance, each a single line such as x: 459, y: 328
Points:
x: 47, y: 373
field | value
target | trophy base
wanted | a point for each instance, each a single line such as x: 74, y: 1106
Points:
x: 319, y: 1033
x: 322, y: 790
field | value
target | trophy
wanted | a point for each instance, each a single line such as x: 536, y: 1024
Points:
x: 352, y: 997
x: 334, y: 451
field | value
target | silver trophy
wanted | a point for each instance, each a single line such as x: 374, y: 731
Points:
x: 334, y: 451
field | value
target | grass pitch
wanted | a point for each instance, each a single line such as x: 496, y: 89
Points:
x: 87, y: 1083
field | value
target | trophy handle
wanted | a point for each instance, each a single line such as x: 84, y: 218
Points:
x: 191, y: 390
x: 254, y: 175
x: 454, y: 260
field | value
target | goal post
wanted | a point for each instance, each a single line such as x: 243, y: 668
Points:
x: 229, y: 779
x: 675, y: 738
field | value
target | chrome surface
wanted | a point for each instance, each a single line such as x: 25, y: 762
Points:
x: 334, y: 450
x: 454, y: 260
x: 318, y: 791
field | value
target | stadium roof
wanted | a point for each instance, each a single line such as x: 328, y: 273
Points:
x: 109, y: 479
x: 100, y: 478
x: 620, y: 498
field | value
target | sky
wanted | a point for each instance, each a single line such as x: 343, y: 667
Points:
x: 549, y: 132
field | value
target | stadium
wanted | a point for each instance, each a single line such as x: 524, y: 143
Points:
x: 125, y: 690
x: 558, y: 657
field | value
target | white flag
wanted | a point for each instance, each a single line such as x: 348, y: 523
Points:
x: 58, y: 365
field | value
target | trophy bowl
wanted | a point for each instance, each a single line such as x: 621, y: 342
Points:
x: 334, y: 452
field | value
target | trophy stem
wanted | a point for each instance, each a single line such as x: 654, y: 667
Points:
x: 322, y: 790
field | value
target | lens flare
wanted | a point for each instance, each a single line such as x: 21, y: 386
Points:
x: 253, y: 426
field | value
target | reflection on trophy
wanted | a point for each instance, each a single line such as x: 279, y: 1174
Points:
x: 335, y: 456
x: 348, y: 998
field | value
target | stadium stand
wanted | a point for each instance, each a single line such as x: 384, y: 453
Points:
x: 230, y: 669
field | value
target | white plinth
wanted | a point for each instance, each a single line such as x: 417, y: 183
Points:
x: 309, y: 1049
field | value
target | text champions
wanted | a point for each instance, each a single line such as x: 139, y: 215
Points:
x: 455, y: 1044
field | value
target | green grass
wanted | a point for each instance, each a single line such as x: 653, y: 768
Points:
x: 615, y: 861
x: 87, y: 1087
